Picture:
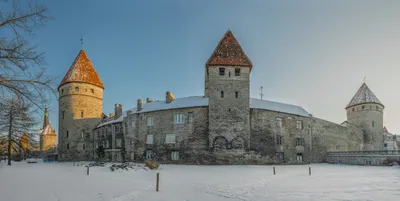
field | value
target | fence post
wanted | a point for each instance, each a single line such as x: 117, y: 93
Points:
x: 309, y: 170
x: 158, y: 180
x: 274, y: 170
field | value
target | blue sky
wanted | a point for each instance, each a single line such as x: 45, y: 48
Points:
x: 310, y: 53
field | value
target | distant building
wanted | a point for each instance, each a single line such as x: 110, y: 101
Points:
x: 48, y: 139
x: 225, y: 125
x: 391, y: 143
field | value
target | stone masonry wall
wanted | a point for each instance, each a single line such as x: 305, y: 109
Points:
x: 370, y: 118
x: 265, y: 131
x: 71, y: 104
x: 330, y: 137
x: 229, y: 115
x: 190, y: 136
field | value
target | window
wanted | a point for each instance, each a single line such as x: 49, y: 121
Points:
x: 149, y: 139
x: 385, y: 145
x: 236, y: 94
x: 83, y: 146
x: 82, y: 133
x: 76, y: 89
x: 279, y: 122
x: 299, y: 142
x: 67, y: 133
x: 63, y: 114
x: 149, y: 121
x: 118, y: 143
x: 222, y: 94
x: 237, y: 71
x: 175, y: 155
x: 170, y: 138
x: 92, y: 90
x: 149, y: 154
x: 190, y: 116
x: 81, y: 114
x: 279, y: 140
x: 299, y: 125
x: 67, y: 146
x: 300, y: 157
x: 373, y: 123
x: 179, y: 119
x: 221, y: 71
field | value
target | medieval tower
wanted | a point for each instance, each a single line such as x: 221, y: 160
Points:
x: 48, y: 138
x: 366, y: 111
x: 80, y: 109
x: 227, y: 83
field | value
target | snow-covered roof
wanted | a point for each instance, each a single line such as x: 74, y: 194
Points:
x: 363, y: 95
x: 201, y: 101
x: 278, y: 107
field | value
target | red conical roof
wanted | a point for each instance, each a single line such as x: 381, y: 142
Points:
x: 229, y: 53
x: 82, y: 70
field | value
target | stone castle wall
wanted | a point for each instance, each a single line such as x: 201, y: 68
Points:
x: 328, y: 137
x: 78, y: 143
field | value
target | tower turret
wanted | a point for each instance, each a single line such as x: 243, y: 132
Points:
x: 227, y: 83
x: 366, y: 111
x: 80, y: 109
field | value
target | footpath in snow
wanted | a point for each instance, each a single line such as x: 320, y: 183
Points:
x: 65, y: 182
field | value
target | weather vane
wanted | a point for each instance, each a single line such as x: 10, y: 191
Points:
x: 81, y: 42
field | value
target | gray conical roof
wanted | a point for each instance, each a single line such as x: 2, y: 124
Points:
x: 364, y: 95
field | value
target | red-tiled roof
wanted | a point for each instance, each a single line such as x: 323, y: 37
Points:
x: 82, y: 70
x: 229, y: 53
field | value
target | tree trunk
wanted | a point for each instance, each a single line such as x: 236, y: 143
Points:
x: 9, y: 140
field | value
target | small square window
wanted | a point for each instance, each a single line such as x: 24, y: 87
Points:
x: 190, y: 114
x: 76, y: 89
x: 221, y: 71
x: 149, y: 139
x: 175, y: 155
x: 149, y: 121
x: 170, y: 138
x: 237, y: 71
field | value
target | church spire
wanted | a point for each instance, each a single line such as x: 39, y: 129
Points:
x: 46, y: 117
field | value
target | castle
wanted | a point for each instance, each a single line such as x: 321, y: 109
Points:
x: 225, y: 125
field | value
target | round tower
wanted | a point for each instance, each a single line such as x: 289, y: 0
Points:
x: 366, y: 111
x: 80, y: 109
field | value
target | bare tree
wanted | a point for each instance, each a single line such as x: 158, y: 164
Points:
x: 22, y: 74
x: 16, y: 122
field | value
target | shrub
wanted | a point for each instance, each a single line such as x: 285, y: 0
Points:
x: 153, y: 165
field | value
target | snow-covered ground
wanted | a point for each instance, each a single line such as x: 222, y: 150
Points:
x: 64, y: 182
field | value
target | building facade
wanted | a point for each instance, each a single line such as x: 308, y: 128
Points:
x: 226, y: 125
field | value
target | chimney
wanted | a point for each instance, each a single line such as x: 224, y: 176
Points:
x: 118, y: 110
x: 169, y: 97
x: 139, y: 105
x: 149, y: 100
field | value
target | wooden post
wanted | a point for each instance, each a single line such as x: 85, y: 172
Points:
x: 309, y: 170
x: 87, y: 170
x: 274, y: 170
x: 158, y: 181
